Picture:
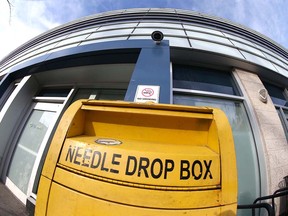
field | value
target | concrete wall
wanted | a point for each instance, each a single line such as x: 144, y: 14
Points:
x: 271, y: 131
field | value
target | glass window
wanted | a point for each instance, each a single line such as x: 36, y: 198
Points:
x: 44, y: 47
x: 173, y: 41
x: 36, y: 52
x: 283, y: 115
x: 258, y: 60
x: 54, y: 93
x: 118, y: 32
x: 209, y: 37
x: 286, y: 65
x: 214, y: 47
x: 237, y: 38
x: 54, y: 40
x: 177, y: 41
x: 203, y: 79
x: 119, y: 25
x: 274, y: 58
x: 248, y: 48
x: 197, y: 28
x: 24, y: 163
x: 137, y: 10
x: 215, y: 81
x: 246, y: 156
x: 162, y: 24
x: 70, y: 40
x: 286, y: 114
x: 82, y: 32
x: 279, y: 97
x: 166, y: 10
x: 141, y: 37
x: 277, y: 94
x: 100, y: 94
x: 102, y: 40
x: 27, y: 149
x: 281, y: 70
x: 56, y: 49
x: 165, y: 31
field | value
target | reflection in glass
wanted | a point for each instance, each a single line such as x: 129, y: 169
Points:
x: 158, y: 24
x: 251, y: 49
x: 258, y: 60
x: 177, y: 41
x: 239, y: 39
x: 277, y: 94
x: 100, y: 94
x: 214, y: 47
x: 286, y: 114
x: 204, y: 29
x: 102, y: 40
x: 70, y: 40
x: 247, y: 165
x: 203, y: 79
x: 117, y: 33
x: 119, y: 25
x: 27, y: 148
x: 171, y: 32
x: 209, y: 37
x: 284, y: 119
x: 281, y: 70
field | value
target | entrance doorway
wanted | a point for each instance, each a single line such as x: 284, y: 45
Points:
x: 30, y: 146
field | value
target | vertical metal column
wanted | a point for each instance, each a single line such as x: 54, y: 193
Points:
x: 152, y: 68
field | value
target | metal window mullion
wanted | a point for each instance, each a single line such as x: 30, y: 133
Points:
x: 49, y: 99
x: 283, y: 119
x: 208, y: 94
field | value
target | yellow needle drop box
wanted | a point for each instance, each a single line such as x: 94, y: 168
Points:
x: 121, y: 158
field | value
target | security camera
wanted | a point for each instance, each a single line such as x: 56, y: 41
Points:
x: 157, y: 36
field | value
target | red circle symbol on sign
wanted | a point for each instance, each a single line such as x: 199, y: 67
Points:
x: 147, y: 92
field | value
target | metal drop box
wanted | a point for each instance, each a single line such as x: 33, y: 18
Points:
x: 121, y: 158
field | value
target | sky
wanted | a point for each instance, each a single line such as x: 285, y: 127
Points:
x: 29, y: 18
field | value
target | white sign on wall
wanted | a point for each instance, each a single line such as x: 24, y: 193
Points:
x: 147, y: 93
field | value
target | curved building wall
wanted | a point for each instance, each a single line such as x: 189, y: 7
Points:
x: 182, y: 28
x: 202, y: 60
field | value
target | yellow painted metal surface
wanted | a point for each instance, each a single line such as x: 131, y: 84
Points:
x: 109, y: 158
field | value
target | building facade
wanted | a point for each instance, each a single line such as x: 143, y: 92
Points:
x: 202, y: 61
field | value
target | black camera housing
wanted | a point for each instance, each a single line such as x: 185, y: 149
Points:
x: 157, y: 36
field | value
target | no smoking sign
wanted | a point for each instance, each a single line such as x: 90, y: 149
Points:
x: 147, y: 93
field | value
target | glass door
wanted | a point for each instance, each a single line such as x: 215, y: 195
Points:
x: 29, y: 148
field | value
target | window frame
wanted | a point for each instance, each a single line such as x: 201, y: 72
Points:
x: 237, y: 96
x: 283, y: 118
x: 241, y: 98
x: 280, y: 108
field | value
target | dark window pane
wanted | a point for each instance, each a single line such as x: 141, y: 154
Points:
x: 100, y: 94
x: 204, y: 79
x: 277, y: 94
x: 284, y: 119
x: 112, y: 94
x: 54, y: 93
x: 286, y: 114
